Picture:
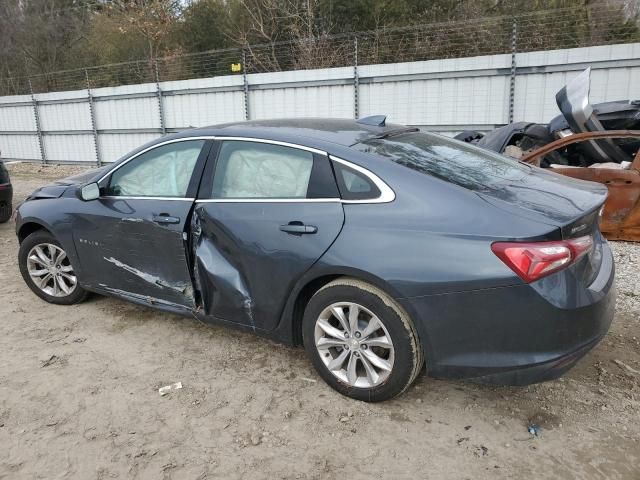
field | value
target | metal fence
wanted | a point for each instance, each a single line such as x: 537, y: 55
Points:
x: 446, y: 77
x: 583, y: 26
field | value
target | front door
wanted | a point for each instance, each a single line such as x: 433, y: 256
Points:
x: 132, y: 240
x: 265, y: 216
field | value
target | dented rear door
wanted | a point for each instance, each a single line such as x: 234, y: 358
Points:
x: 260, y: 222
x: 132, y: 240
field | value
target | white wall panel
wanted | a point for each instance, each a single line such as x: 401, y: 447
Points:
x: 127, y: 113
x: 19, y: 147
x: 17, y: 118
x: 113, y: 146
x: 464, y: 101
x: 199, y: 83
x: 123, y: 90
x: 65, y: 116
x: 69, y: 148
x: 202, y: 109
x: 317, y: 101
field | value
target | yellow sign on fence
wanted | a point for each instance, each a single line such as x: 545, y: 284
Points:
x: 236, y: 67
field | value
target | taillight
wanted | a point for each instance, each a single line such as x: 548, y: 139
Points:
x: 534, y: 260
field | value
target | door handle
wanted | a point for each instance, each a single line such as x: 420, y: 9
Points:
x: 298, y: 228
x: 163, y: 218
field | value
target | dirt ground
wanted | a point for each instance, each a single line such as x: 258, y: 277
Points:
x: 79, y: 399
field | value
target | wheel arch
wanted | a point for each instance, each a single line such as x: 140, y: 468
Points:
x: 291, y: 320
x: 29, y: 227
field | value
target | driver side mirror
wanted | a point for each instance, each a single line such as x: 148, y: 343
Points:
x: 90, y: 192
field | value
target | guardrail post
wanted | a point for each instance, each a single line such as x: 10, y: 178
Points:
x: 93, y: 120
x: 36, y: 116
x: 246, y: 84
x: 356, y: 80
x: 163, y: 127
x: 512, y: 76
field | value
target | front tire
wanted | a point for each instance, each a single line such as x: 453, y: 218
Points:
x: 47, y: 270
x: 361, y: 342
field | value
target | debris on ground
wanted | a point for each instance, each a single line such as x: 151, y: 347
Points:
x: 169, y: 388
x: 534, y: 429
x: 50, y: 361
x: 626, y: 367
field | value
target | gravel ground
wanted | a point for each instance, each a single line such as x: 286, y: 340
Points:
x: 79, y: 399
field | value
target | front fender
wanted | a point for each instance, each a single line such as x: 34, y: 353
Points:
x: 48, y: 214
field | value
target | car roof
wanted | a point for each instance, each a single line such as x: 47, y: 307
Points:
x: 345, y: 132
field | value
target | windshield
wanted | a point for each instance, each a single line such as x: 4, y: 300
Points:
x: 449, y: 160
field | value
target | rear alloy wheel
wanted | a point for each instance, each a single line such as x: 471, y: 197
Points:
x: 354, y: 345
x: 47, y: 270
x: 361, y: 342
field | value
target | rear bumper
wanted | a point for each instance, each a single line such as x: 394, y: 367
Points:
x: 540, y: 372
x: 515, y: 335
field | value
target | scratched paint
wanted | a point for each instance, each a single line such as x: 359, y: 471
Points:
x: 147, y: 299
x: 153, y: 279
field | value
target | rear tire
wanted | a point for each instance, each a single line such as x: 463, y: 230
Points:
x: 361, y: 342
x: 47, y: 270
x: 5, y: 212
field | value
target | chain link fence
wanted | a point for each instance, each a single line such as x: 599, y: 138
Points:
x: 596, y: 24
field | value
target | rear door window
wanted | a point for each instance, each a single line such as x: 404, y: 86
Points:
x: 448, y: 160
x: 256, y: 170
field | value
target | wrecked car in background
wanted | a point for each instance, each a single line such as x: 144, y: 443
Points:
x: 378, y: 247
x: 600, y: 143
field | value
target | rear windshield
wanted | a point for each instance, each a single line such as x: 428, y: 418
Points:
x: 449, y: 160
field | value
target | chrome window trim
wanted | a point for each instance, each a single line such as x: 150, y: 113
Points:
x: 386, y: 192
x: 269, y: 200
x: 167, y: 142
x: 125, y: 197
x: 272, y: 142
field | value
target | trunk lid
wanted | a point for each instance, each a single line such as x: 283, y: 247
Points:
x: 569, y: 204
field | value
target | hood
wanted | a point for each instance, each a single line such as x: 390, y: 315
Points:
x: 57, y: 188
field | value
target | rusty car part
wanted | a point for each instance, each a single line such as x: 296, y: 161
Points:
x: 621, y: 215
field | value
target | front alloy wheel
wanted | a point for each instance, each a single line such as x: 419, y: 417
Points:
x: 48, y: 271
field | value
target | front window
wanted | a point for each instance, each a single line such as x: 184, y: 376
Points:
x: 448, y: 160
x: 164, y: 171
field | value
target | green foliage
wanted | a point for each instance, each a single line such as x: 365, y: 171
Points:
x: 204, y: 26
x: 163, y: 38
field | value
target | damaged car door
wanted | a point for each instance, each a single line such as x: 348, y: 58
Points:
x: 132, y: 240
x: 266, y: 212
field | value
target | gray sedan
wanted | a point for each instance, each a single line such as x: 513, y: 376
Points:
x: 380, y: 248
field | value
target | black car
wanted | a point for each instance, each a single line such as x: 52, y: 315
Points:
x: 6, y: 194
x: 380, y: 248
